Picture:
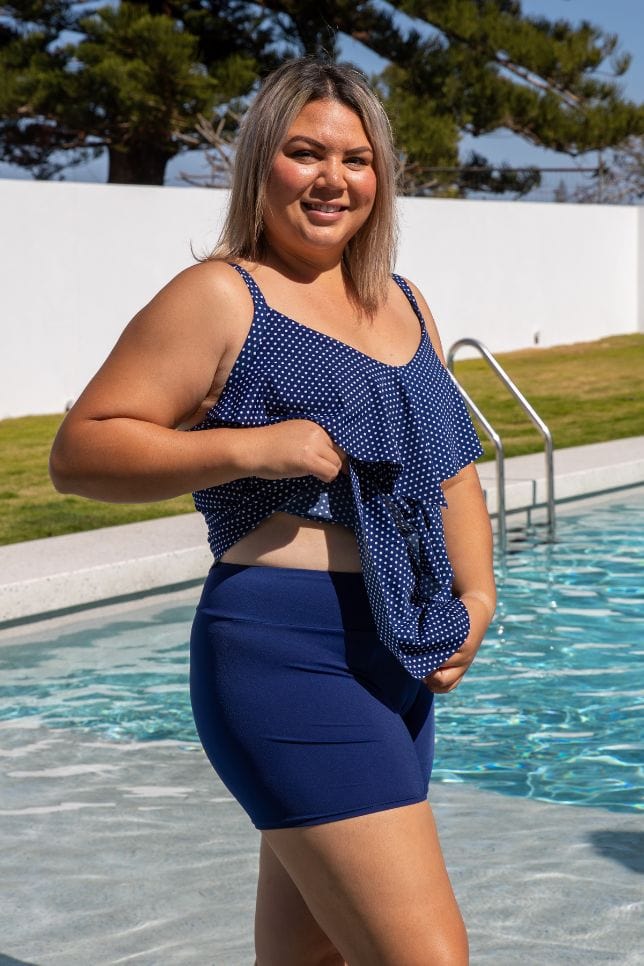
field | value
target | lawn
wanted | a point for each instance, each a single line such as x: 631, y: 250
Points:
x: 587, y: 393
x: 30, y: 507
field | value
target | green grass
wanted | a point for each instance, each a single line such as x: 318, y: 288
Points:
x: 589, y: 392
x: 586, y: 393
x: 30, y: 507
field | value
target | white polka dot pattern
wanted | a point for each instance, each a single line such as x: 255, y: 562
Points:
x: 404, y: 428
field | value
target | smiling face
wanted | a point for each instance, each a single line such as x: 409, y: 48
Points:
x: 322, y: 184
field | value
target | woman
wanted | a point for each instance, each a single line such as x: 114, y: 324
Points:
x: 346, y: 591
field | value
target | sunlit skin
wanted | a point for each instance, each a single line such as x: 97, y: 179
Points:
x: 322, y: 186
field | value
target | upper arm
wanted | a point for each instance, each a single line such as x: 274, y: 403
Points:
x: 468, y: 473
x: 163, y: 365
x: 432, y: 330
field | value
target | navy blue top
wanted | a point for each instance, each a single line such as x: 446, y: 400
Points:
x: 404, y: 428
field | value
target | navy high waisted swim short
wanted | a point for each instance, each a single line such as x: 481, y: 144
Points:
x: 305, y: 716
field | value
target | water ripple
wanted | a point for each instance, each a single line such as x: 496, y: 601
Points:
x: 567, y: 640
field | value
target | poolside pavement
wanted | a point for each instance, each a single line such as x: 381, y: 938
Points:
x: 119, y: 852
x: 41, y: 577
x: 580, y: 471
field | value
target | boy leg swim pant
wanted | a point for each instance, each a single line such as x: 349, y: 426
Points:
x: 305, y: 716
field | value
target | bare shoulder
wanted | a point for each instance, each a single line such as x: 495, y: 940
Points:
x: 432, y: 329
x: 207, y: 297
x: 170, y: 355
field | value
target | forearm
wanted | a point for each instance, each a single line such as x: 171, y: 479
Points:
x: 468, y: 538
x: 124, y: 460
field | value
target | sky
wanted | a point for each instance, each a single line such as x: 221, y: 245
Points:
x: 622, y: 17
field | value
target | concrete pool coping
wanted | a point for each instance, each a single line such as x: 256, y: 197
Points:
x: 43, y: 577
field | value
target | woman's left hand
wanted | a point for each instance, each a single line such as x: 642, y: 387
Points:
x: 450, y: 674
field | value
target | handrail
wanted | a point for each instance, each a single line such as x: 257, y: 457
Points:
x: 500, y: 461
x: 496, y: 439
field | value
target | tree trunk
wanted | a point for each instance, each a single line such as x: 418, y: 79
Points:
x: 139, y: 164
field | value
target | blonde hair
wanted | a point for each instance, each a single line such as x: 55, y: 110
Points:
x: 369, y: 256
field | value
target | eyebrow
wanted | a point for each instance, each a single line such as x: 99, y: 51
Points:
x: 323, y: 147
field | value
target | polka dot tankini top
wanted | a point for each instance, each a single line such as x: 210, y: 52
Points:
x: 404, y: 428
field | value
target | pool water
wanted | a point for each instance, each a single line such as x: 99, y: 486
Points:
x: 551, y: 708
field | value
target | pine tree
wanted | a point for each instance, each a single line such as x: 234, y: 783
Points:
x: 476, y: 66
x: 147, y: 80
x: 485, y: 66
x: 134, y: 81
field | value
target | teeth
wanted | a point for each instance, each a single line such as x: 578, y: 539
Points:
x: 326, y: 208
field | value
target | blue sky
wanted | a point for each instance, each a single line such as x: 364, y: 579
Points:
x: 622, y: 17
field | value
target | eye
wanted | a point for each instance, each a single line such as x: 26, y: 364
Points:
x: 357, y: 162
x: 304, y: 154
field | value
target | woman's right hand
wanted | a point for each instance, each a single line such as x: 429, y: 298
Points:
x: 292, y: 448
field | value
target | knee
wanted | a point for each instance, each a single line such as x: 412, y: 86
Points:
x: 330, y: 958
x: 446, y: 956
x: 446, y: 950
x: 436, y: 946
x: 318, y: 955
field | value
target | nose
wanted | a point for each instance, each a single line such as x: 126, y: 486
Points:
x: 331, y: 173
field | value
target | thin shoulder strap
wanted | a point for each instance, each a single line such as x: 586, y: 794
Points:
x: 403, y: 284
x: 254, y: 289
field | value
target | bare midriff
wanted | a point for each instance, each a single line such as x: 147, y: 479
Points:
x: 285, y: 540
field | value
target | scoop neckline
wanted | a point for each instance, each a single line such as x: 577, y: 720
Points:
x: 352, y: 348
x: 258, y: 296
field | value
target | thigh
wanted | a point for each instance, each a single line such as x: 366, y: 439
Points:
x: 286, y: 933
x: 378, y: 887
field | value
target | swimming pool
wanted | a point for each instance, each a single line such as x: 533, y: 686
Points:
x: 550, y: 709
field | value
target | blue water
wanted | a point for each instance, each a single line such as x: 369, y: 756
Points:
x: 551, y: 708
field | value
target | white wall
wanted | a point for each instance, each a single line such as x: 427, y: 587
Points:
x: 503, y: 271
x: 78, y: 260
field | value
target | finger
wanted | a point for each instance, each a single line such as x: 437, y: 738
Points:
x: 443, y: 688
x: 327, y: 468
x: 444, y: 679
x: 343, y: 459
x: 343, y: 456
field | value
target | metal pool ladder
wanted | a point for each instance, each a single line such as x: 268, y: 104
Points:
x: 498, y: 442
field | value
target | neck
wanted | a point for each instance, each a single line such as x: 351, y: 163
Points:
x: 301, y: 267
